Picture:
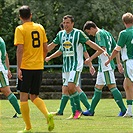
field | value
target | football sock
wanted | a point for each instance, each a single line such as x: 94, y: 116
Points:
x: 129, y: 102
x: 118, y: 99
x: 63, y: 103
x: 73, y: 107
x: 41, y: 106
x: 129, y: 106
x: 25, y: 114
x: 13, y: 100
x: 95, y: 99
x: 76, y: 98
x: 84, y: 100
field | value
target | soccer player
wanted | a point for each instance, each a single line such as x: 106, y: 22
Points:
x: 31, y: 41
x: 71, y: 42
x: 5, y: 74
x: 65, y: 93
x: 125, y: 46
x: 105, y: 75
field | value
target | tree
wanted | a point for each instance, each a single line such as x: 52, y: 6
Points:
x: 106, y: 14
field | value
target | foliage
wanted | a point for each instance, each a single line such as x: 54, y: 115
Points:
x: 106, y: 14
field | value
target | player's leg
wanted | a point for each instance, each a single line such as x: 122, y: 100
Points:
x: 34, y: 92
x: 111, y: 83
x: 97, y: 94
x: 24, y: 92
x: 63, y: 102
x: 5, y: 89
x: 83, y: 97
x: 128, y: 86
x: 72, y: 82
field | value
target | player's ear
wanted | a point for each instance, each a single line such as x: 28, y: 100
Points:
x: 30, y: 15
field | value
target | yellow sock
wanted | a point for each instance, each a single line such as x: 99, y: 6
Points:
x: 41, y: 106
x: 25, y: 114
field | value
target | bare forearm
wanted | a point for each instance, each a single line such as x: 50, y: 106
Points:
x: 98, y: 49
x: 56, y: 54
x: 7, y: 62
x: 51, y: 46
x: 118, y: 58
x: 114, y: 54
x: 86, y: 55
x: 19, y: 57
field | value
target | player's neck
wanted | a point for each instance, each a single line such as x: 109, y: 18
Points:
x: 27, y: 20
x: 128, y: 25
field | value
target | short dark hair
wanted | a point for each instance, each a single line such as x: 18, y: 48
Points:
x: 69, y: 16
x: 24, y: 12
x: 88, y: 25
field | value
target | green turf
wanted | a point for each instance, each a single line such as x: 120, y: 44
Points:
x: 104, y: 121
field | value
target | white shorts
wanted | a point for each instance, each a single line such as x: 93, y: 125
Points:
x: 4, y: 81
x: 128, y: 69
x: 72, y: 77
x: 105, y: 78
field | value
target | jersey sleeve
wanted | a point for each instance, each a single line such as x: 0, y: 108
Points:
x: 84, y: 48
x: 83, y: 38
x: 18, y: 37
x: 44, y: 33
x: 121, y: 39
x: 57, y: 39
x: 3, y: 50
x: 113, y: 43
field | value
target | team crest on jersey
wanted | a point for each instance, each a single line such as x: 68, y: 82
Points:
x: 67, y: 44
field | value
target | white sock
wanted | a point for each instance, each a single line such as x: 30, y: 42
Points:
x: 129, y: 109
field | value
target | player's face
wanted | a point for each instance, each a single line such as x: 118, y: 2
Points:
x: 68, y: 25
x: 90, y: 31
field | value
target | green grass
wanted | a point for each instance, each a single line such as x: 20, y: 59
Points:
x: 104, y: 121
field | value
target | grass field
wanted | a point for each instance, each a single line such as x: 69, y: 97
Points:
x: 104, y: 121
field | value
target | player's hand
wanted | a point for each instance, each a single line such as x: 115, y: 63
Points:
x: 20, y: 74
x: 107, y: 62
x: 120, y: 68
x: 47, y: 59
x: 92, y: 70
x: 87, y: 61
x: 9, y: 74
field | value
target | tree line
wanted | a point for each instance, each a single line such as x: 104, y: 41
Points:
x: 106, y: 14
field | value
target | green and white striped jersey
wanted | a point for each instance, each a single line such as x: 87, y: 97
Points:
x: 125, y: 41
x: 2, y: 54
x: 72, y: 46
x: 104, y: 39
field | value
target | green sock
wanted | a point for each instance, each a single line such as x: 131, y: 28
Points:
x: 84, y: 100
x: 63, y: 103
x: 73, y: 107
x: 129, y: 102
x: 76, y: 98
x: 13, y: 100
x: 118, y: 99
x: 95, y: 99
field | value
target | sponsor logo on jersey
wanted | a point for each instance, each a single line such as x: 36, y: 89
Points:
x: 67, y: 45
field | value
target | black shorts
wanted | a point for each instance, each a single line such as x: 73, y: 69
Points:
x: 31, y: 81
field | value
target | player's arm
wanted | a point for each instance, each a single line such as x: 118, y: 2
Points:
x: 8, y: 66
x: 86, y: 55
x: 51, y: 46
x: 45, y: 49
x: 98, y: 49
x: 54, y: 55
x: 119, y: 64
x: 92, y: 69
x: 19, y: 55
x: 114, y: 54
